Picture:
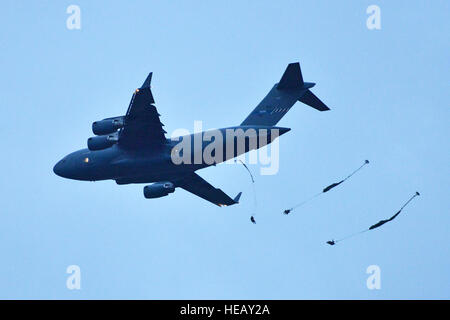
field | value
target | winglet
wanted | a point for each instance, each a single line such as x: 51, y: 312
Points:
x: 147, y: 81
x: 145, y: 89
x: 236, y: 199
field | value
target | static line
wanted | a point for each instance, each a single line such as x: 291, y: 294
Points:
x: 255, y: 203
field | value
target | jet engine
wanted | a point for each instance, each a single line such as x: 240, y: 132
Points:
x: 102, y: 142
x: 158, y: 190
x: 107, y: 126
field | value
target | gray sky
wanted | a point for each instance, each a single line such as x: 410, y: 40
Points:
x: 388, y: 90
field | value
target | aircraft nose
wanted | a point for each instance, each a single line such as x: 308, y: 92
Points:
x: 58, y: 169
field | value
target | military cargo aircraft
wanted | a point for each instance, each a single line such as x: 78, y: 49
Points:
x: 134, y: 149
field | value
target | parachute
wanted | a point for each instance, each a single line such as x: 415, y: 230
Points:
x: 326, y: 189
x: 376, y: 225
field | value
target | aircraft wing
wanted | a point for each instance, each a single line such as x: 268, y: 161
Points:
x: 142, y: 125
x: 198, y: 186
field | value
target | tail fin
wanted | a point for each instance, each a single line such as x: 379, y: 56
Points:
x: 292, y: 77
x: 282, y: 97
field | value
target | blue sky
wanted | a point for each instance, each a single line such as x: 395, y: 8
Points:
x: 388, y: 90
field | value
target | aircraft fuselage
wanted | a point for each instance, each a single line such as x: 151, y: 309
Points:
x: 156, y: 163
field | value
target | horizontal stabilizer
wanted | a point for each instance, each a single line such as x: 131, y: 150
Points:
x: 311, y: 100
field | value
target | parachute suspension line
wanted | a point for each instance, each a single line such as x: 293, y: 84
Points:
x: 326, y: 189
x: 287, y: 211
x: 365, y: 162
x: 331, y: 186
x: 410, y: 199
x: 376, y: 225
x: 333, y: 242
x: 309, y: 199
x: 255, y: 203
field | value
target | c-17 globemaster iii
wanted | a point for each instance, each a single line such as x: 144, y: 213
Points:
x: 133, y: 148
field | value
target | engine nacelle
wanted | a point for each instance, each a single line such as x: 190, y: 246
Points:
x: 158, y: 190
x: 107, y: 126
x: 102, y: 142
